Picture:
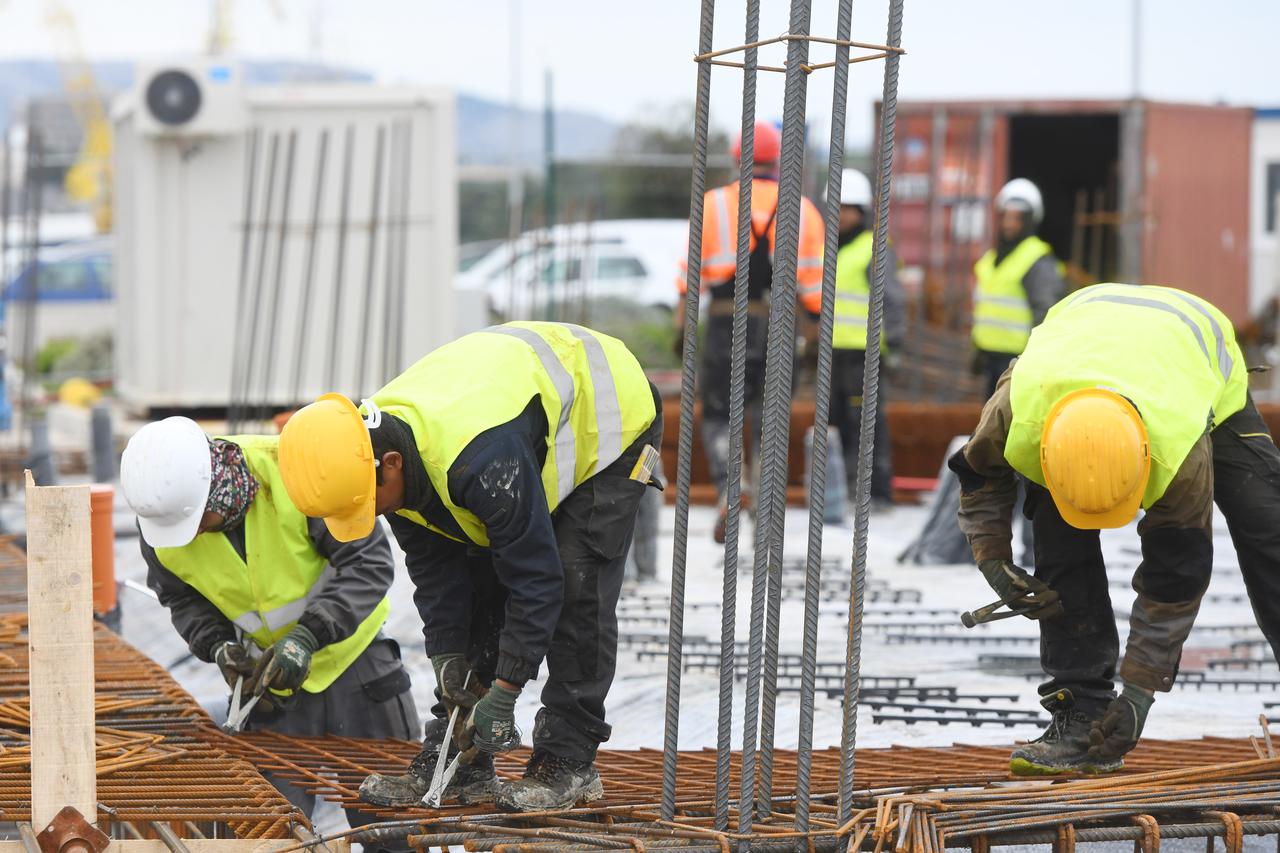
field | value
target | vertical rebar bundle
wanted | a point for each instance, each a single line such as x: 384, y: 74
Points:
x: 756, y: 794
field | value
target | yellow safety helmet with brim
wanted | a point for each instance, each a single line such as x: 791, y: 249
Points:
x: 327, y: 464
x: 1096, y: 458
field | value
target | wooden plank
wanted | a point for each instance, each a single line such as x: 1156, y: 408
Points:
x: 60, y: 616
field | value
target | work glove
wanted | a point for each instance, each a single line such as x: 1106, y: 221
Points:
x: 1121, y: 726
x: 233, y: 661
x: 1017, y: 588
x: 491, y: 727
x: 286, y: 664
x: 452, y: 670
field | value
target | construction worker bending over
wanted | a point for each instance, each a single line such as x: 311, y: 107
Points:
x: 1017, y: 282
x: 719, y: 265
x: 255, y: 587
x: 510, y: 464
x: 849, y: 335
x: 1125, y: 397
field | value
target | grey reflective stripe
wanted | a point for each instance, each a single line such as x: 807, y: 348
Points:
x: 1011, y: 301
x: 1159, y: 306
x: 286, y: 614
x: 851, y: 321
x: 249, y: 622
x: 722, y: 258
x: 1002, y: 324
x: 808, y: 263
x: 566, y: 445
x: 1225, y: 362
x: 608, y: 412
x: 860, y: 298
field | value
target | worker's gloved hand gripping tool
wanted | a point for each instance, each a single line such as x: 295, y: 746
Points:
x: 1021, y: 593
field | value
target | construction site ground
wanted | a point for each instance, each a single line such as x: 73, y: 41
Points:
x: 947, y: 676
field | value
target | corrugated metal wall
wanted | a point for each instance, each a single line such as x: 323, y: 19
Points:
x: 1196, y: 202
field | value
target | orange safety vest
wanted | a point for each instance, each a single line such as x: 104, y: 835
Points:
x: 720, y: 238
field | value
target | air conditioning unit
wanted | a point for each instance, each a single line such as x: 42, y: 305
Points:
x: 189, y: 98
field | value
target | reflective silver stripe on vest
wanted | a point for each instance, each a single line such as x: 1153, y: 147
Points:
x: 1002, y: 324
x: 851, y: 321
x: 1225, y: 362
x: 1163, y: 306
x: 566, y: 444
x: 608, y: 412
x: 1011, y: 301
x: 858, y: 298
x: 809, y: 263
x: 251, y: 622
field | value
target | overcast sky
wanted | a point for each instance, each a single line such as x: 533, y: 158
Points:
x: 626, y: 59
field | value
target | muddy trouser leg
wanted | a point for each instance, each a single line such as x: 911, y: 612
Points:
x: 1246, y: 477
x: 370, y: 699
x: 846, y: 416
x: 1078, y: 649
x: 753, y: 400
x: 593, y: 529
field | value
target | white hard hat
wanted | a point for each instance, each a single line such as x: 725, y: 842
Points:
x: 855, y: 189
x: 1021, y: 194
x: 165, y: 473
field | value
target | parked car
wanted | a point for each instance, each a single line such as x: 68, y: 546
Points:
x: 577, y: 271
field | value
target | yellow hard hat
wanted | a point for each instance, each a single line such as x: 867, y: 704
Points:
x: 326, y: 462
x: 1096, y: 458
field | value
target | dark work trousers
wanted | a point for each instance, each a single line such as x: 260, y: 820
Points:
x: 1078, y: 650
x: 846, y: 415
x: 713, y: 381
x: 593, y: 526
x: 371, y: 699
x: 994, y: 364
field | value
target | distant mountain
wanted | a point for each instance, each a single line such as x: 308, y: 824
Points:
x: 483, y: 125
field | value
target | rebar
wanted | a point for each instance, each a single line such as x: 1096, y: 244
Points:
x: 242, y: 290
x: 870, y: 400
x: 277, y: 284
x: 737, y: 419
x: 375, y: 209
x: 821, y: 415
x: 240, y: 395
x: 309, y: 267
x: 340, y: 259
x: 684, y: 458
x: 779, y: 364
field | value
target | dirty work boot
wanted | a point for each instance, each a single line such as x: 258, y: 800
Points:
x: 1064, y: 746
x: 471, y: 783
x: 551, y: 782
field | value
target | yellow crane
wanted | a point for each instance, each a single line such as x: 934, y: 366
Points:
x: 89, y: 179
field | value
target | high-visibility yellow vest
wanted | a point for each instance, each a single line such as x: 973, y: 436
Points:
x: 595, y: 395
x: 853, y: 293
x: 266, y: 593
x: 1001, y: 313
x: 1171, y: 354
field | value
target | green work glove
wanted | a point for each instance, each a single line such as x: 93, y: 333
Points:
x: 1011, y: 583
x: 492, y: 724
x: 286, y: 664
x: 233, y: 661
x: 1121, y: 726
x: 452, y: 670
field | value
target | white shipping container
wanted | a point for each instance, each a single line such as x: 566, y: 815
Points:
x: 180, y: 214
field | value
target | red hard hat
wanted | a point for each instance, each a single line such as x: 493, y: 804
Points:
x: 768, y: 144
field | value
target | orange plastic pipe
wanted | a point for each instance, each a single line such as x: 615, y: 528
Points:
x: 101, y: 505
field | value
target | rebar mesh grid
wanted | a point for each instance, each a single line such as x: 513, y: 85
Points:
x: 152, y: 765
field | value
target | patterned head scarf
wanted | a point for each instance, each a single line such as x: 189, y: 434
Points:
x: 232, y: 487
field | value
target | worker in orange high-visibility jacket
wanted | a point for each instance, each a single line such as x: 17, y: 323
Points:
x: 719, y: 268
